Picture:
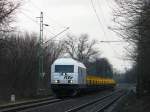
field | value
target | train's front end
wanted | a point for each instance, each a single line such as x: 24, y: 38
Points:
x: 64, y: 78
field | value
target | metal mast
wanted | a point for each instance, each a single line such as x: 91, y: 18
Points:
x: 40, y: 46
x: 40, y: 53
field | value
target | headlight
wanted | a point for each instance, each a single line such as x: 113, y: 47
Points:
x: 70, y: 81
x: 56, y: 81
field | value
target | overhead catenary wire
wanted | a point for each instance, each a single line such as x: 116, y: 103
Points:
x: 33, y: 20
x: 97, y: 16
x: 60, y: 25
x: 39, y: 9
x: 112, y: 41
x: 103, y: 17
x: 110, y: 4
x: 101, y: 23
x: 54, y: 35
x: 30, y: 18
x: 106, y: 1
x: 124, y: 59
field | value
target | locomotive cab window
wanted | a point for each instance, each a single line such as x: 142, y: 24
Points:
x: 64, y: 68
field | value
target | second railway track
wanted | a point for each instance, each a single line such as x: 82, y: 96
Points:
x: 100, y: 104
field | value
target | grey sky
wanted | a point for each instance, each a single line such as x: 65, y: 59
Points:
x: 80, y: 17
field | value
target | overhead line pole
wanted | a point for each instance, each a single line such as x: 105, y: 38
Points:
x: 40, y: 53
x: 40, y: 46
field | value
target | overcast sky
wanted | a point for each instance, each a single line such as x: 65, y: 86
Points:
x: 79, y: 15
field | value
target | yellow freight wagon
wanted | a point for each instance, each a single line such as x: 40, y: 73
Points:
x: 98, y: 80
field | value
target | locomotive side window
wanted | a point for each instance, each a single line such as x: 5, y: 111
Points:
x: 64, y: 68
x: 81, y: 71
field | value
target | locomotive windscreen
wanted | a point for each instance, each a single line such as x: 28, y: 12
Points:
x: 64, y: 68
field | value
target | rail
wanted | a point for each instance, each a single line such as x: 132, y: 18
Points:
x: 117, y: 95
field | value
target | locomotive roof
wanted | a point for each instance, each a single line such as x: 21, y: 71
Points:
x: 68, y: 61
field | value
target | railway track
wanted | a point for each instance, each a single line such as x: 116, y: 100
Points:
x: 99, y: 105
x: 96, y: 105
x: 30, y: 104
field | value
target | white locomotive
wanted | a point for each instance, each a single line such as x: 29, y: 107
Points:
x: 68, y: 76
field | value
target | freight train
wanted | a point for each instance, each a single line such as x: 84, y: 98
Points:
x: 69, y: 77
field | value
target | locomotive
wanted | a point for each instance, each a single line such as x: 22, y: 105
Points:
x: 69, y: 77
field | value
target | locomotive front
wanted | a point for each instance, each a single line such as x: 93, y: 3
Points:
x: 64, y: 77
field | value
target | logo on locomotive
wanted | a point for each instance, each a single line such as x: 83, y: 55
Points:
x: 67, y: 76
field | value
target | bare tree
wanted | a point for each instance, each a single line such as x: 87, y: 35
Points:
x: 81, y: 48
x: 101, y: 67
x: 19, y: 64
x: 8, y: 9
x: 132, y: 18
